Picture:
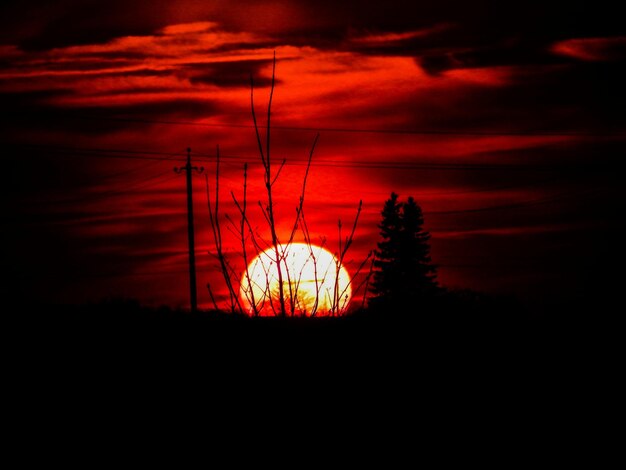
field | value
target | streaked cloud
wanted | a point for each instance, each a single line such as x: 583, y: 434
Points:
x: 491, y: 125
x: 592, y: 49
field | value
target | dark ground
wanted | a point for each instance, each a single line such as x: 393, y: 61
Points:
x: 521, y: 381
x: 456, y: 333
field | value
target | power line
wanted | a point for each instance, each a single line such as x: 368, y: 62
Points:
x: 431, y: 132
x: 141, y: 185
x: 106, y: 153
x: 164, y: 156
x: 516, y: 205
x: 407, y: 165
x: 364, y: 164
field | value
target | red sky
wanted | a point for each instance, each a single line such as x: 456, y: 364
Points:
x: 506, y: 125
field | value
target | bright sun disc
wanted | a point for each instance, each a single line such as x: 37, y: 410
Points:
x: 313, y: 282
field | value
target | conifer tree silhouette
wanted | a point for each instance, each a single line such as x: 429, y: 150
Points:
x: 418, y: 274
x: 403, y: 272
x: 387, y: 269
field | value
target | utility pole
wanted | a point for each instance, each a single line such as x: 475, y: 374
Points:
x: 193, y: 299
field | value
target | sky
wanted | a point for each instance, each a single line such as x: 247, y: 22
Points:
x: 505, y: 121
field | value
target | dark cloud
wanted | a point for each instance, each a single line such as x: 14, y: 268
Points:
x: 54, y: 264
x: 72, y: 22
x: 35, y: 111
x: 593, y: 49
x: 228, y: 74
x: 476, y: 34
x: 69, y: 22
x: 103, y: 64
x: 437, y: 61
x: 580, y: 97
x: 545, y: 267
x: 481, y: 34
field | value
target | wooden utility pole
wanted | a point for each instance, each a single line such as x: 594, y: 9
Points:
x: 193, y: 299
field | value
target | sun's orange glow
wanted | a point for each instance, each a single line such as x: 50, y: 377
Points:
x: 314, y: 282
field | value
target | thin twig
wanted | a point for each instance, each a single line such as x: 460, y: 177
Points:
x: 227, y: 271
x: 269, y: 113
x: 302, y: 193
x: 342, y: 253
x: 256, y: 127
x: 356, y: 273
x: 282, y: 165
x: 268, y: 212
x: 367, y: 279
x: 208, y: 286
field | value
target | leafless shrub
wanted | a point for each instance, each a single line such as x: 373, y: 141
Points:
x: 293, y: 300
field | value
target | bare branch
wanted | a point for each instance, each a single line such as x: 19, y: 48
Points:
x: 233, y: 230
x: 304, y: 181
x: 217, y: 195
x: 265, y: 212
x: 367, y: 279
x: 242, y: 227
x: 342, y: 253
x: 279, y: 170
x: 208, y: 286
x: 256, y: 127
x: 270, y: 202
x: 227, y: 271
x: 269, y: 113
x: 251, y: 233
x: 356, y: 273
x: 351, y: 237
x: 208, y: 197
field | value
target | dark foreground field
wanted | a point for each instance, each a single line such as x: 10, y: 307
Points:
x: 448, y: 335
x: 440, y: 371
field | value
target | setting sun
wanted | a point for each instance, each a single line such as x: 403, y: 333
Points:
x: 314, y: 283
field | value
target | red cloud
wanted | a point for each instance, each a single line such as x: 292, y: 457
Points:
x: 382, y: 39
x: 592, y: 49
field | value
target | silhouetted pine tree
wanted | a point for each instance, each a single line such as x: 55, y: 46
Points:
x: 403, y: 271
x: 387, y: 268
x: 418, y: 274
